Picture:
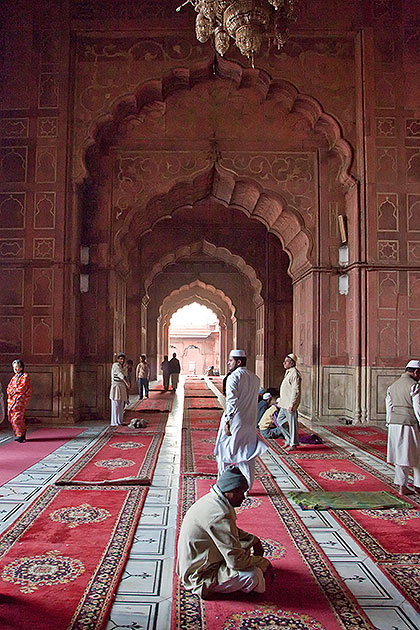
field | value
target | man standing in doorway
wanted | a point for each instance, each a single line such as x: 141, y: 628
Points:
x: 289, y: 400
x: 174, y: 370
x: 237, y: 440
x: 403, y: 418
x: 164, y: 366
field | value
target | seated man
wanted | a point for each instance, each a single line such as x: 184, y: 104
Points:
x: 263, y: 405
x: 214, y: 555
x: 268, y: 425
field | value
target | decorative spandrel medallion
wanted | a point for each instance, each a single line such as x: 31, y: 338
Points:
x: 48, y: 569
x: 84, y: 514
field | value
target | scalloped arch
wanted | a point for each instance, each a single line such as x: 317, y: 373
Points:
x: 201, y: 292
x: 104, y: 128
x: 219, y: 253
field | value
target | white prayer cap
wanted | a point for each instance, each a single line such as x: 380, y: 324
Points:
x: 237, y: 354
x: 278, y: 401
x: 292, y: 356
x: 266, y: 396
x: 413, y: 364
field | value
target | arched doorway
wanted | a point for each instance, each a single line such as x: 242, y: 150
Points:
x: 194, y: 335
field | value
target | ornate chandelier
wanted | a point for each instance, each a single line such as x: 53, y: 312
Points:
x: 245, y: 21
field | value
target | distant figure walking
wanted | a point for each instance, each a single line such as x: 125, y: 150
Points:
x: 142, y: 376
x: 174, y: 370
x: 18, y: 395
x: 119, y: 390
x: 165, y: 369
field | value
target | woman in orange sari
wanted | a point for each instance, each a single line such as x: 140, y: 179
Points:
x: 18, y: 393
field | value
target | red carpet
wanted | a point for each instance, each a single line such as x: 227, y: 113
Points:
x: 406, y: 578
x: 201, y: 418
x: 370, y: 439
x: 16, y: 458
x: 61, y: 561
x: 158, y: 401
x: 116, y: 458
x: 202, y: 403
x: 311, y: 451
x: 197, y: 454
x: 321, y: 600
x: 387, y: 535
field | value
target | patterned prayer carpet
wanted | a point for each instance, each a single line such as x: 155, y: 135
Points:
x: 389, y: 535
x: 406, y: 578
x: 201, y: 418
x: 304, y: 576
x: 16, y: 458
x: 62, y: 559
x: 370, y: 439
x: 197, y: 456
x: 155, y: 421
x: 310, y: 451
x: 157, y: 401
x: 196, y: 402
x: 134, y: 455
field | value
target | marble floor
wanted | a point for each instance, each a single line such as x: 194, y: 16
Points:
x: 143, y: 600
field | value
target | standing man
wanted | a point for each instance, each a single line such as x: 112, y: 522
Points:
x: 174, y: 370
x: 403, y: 418
x: 164, y: 366
x: 142, y: 376
x: 119, y: 390
x: 237, y: 440
x: 289, y: 400
x: 215, y: 557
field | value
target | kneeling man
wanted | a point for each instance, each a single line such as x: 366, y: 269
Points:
x: 214, y: 555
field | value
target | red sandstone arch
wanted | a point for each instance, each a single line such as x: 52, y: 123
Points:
x: 219, y: 253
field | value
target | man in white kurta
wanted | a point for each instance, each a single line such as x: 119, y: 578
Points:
x: 403, y: 420
x: 237, y: 440
x: 119, y: 390
x: 215, y: 557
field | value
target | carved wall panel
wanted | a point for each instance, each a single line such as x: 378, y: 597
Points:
x: 386, y: 164
x: 11, y: 334
x: 385, y: 127
x: 388, y: 338
x: 388, y: 289
x: 43, y: 248
x: 11, y: 287
x: 12, y: 248
x: 46, y: 165
x: 13, y: 164
x: 414, y: 290
x: 414, y: 337
x: 413, y: 252
x: 14, y: 127
x: 48, y: 90
x: 412, y: 128
x: 12, y: 210
x: 45, y: 209
x: 42, y: 286
x: 42, y: 335
x: 413, y: 213
x: 388, y: 250
x: 387, y: 212
x: 413, y: 165
x: 47, y: 127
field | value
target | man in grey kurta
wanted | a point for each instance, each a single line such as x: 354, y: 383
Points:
x: 214, y: 555
x: 237, y: 440
x: 403, y: 418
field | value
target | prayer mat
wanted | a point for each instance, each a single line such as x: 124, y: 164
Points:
x: 208, y: 394
x: 61, y: 561
x: 319, y: 500
x: 161, y: 401
x: 201, y: 418
x: 202, y: 403
x: 371, y: 439
x: 406, y: 578
x: 197, y: 457
x: 388, y: 535
x: 155, y: 421
x: 116, y: 459
x: 306, y: 593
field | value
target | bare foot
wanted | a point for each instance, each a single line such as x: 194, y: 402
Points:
x: 404, y: 491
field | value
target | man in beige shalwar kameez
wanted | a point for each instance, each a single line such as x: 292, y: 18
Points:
x: 215, y: 557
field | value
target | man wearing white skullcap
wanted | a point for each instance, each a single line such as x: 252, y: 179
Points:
x: 289, y: 400
x: 403, y: 420
x: 237, y: 440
